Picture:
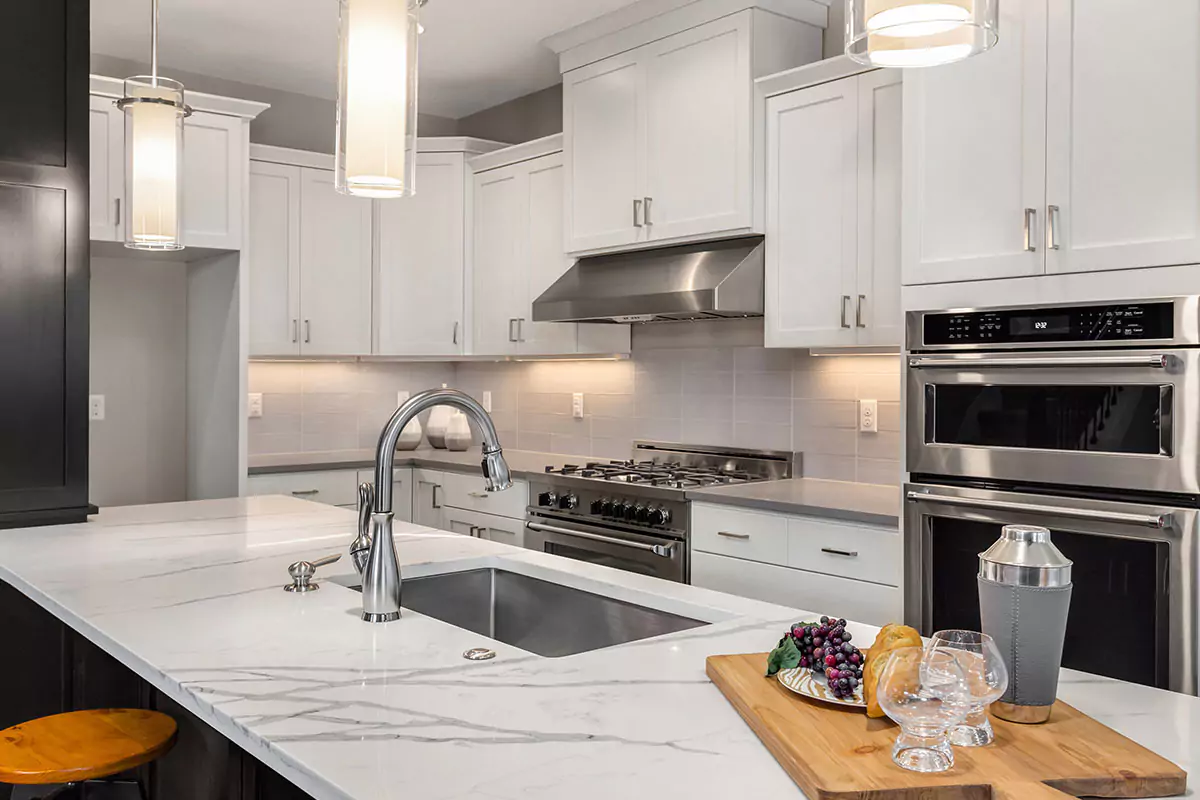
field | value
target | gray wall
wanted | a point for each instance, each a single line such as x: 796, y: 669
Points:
x: 835, y: 35
x: 138, y: 362
x: 530, y: 117
x: 293, y: 120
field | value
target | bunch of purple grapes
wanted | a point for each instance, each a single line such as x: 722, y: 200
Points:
x: 825, y: 649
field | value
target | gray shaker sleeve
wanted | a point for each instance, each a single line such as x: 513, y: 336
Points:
x: 1028, y: 624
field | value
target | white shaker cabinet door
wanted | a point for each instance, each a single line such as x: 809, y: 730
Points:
x: 1123, y: 168
x: 106, y: 170
x: 877, y: 315
x: 335, y: 268
x: 698, y: 125
x: 603, y: 131
x: 421, y: 256
x: 544, y: 258
x: 499, y: 267
x: 274, y: 263
x: 427, y: 506
x: 975, y: 158
x: 214, y: 164
x: 812, y: 209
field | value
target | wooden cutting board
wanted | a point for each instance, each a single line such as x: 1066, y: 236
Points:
x: 839, y: 754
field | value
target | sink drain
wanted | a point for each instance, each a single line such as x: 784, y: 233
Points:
x: 479, y: 654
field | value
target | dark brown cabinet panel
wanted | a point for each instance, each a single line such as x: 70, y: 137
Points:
x: 43, y: 261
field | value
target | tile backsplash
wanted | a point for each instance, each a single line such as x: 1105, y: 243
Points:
x: 675, y: 387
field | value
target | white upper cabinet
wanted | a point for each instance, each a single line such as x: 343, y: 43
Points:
x: 335, y: 268
x: 214, y: 164
x: 1123, y: 155
x: 421, y: 250
x: 602, y: 121
x: 833, y: 213
x: 216, y: 139
x: 1073, y: 146
x: 659, y: 130
x: 106, y: 171
x: 975, y: 158
x: 518, y: 253
x: 274, y: 265
x: 698, y: 157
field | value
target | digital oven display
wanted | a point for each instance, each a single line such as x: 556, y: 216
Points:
x: 1040, y: 325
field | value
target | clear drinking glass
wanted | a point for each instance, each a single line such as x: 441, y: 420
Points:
x: 978, y: 658
x: 926, y: 694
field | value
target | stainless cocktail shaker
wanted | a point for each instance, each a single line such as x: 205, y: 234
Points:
x: 1024, y: 596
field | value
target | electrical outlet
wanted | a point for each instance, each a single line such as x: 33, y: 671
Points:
x: 254, y: 405
x: 868, y: 416
x: 487, y: 401
x: 577, y: 405
x: 402, y: 397
x: 96, y: 407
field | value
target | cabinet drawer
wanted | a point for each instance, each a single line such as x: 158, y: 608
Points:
x: 863, y: 552
x: 814, y: 593
x: 460, y: 490
x: 738, y: 533
x: 333, y: 487
x: 486, y: 526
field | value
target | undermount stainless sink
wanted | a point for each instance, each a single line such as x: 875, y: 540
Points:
x: 535, y: 615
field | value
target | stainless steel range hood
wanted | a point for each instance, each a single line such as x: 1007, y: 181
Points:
x: 695, y: 281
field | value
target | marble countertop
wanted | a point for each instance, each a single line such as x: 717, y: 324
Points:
x: 188, y: 595
x: 857, y: 502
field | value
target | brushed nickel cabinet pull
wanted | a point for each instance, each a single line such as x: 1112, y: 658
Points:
x: 729, y: 535
x: 845, y: 302
x: 307, y: 331
x: 454, y: 336
x: 648, y: 201
x: 846, y: 553
x: 1052, y: 227
x: 858, y: 312
x: 295, y: 330
x: 306, y: 492
x: 512, y: 337
x: 117, y: 212
x: 1030, y: 234
x: 637, y: 213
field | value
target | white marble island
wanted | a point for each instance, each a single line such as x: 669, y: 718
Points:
x: 188, y: 595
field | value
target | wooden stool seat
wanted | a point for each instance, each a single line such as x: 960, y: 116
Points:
x: 83, y: 745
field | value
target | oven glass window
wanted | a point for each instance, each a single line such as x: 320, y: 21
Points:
x: 1118, y: 622
x: 606, y: 559
x: 1101, y: 419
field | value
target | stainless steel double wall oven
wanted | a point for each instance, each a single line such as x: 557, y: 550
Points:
x: 1082, y: 418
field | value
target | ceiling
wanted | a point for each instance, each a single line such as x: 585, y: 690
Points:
x: 474, y: 53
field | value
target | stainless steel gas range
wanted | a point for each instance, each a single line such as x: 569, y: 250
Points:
x: 633, y: 515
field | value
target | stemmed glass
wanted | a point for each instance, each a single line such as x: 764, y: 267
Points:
x: 926, y: 694
x: 978, y: 658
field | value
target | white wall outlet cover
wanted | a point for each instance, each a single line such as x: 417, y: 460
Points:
x: 402, y: 397
x: 577, y: 405
x: 254, y: 406
x: 96, y: 407
x: 868, y: 416
x: 487, y: 401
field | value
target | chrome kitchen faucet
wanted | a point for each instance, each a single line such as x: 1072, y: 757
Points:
x: 381, y: 572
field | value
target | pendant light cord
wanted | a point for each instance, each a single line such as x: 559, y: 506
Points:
x: 154, y: 43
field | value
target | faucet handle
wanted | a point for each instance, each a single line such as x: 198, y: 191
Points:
x: 303, y: 571
x: 361, y: 546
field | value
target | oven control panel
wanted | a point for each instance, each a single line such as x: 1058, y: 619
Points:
x: 608, y: 504
x: 1115, y: 323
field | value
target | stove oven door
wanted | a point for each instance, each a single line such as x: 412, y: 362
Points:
x: 646, y: 554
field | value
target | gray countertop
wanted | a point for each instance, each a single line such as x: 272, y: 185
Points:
x: 856, y: 502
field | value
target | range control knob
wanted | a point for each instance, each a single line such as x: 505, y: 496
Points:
x: 659, y: 516
x: 568, y: 501
x: 620, y: 509
x: 606, y: 507
x: 633, y: 513
x: 643, y: 514
x: 547, y: 499
x: 597, y: 506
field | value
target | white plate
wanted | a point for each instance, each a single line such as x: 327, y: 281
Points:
x: 801, y: 680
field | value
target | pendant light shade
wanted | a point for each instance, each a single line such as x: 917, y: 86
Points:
x: 377, y: 97
x: 919, y: 33
x: 154, y: 111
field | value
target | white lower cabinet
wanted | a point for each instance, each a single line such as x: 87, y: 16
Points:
x: 486, y: 526
x: 427, y: 499
x: 817, y: 564
x: 335, y: 487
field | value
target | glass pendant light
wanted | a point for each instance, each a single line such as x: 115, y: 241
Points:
x: 154, y: 111
x: 377, y: 97
x: 919, y: 33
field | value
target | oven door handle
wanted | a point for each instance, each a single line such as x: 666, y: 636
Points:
x: 1158, y: 521
x: 1154, y: 361
x: 664, y: 550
